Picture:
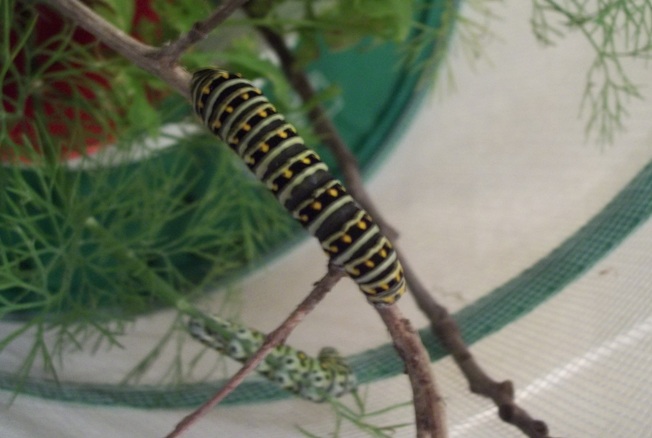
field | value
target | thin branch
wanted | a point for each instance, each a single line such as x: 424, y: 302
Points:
x: 142, y: 55
x: 272, y: 340
x: 447, y: 331
x: 428, y: 405
x: 171, y: 52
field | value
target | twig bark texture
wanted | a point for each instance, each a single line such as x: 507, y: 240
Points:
x: 429, y: 406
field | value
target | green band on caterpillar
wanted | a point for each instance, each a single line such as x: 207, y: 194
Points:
x: 313, y: 379
x: 238, y: 113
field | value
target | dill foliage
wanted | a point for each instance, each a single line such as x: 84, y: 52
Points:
x: 619, y: 32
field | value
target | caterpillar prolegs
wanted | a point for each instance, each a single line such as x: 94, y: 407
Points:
x: 312, y: 378
x: 238, y: 113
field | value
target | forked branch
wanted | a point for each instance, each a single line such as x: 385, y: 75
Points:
x: 140, y: 54
x: 171, y: 53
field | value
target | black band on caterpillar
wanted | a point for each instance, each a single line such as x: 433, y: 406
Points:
x: 238, y: 113
x: 314, y: 379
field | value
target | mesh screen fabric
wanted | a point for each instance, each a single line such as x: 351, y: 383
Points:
x: 583, y: 357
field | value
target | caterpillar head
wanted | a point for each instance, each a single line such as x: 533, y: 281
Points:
x: 199, y: 330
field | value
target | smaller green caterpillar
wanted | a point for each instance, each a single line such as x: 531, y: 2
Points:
x: 314, y: 379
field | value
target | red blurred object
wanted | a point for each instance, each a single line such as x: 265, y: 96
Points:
x: 52, y: 99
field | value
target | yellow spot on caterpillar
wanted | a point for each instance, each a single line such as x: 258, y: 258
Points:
x: 250, y: 160
x: 333, y: 249
x: 282, y: 134
x: 274, y: 187
x: 369, y: 264
x: 306, y: 160
x: 346, y: 238
x: 355, y: 271
x: 362, y: 225
x: 316, y: 205
x: 262, y: 113
x: 229, y: 109
x: 383, y: 253
x: 384, y: 286
x: 287, y: 173
x: 217, y: 124
x: 245, y: 96
x: 332, y: 192
x: 257, y: 91
x: 206, y: 90
x: 264, y: 148
x: 303, y: 218
x: 246, y: 126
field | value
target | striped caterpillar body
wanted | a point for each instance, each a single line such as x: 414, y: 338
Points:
x: 314, y: 379
x: 238, y: 113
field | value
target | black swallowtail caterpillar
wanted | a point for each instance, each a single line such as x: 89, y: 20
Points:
x: 312, y: 378
x: 238, y: 113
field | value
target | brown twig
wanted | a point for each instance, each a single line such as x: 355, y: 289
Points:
x: 428, y: 405
x: 447, y: 331
x: 171, y: 52
x: 140, y: 54
x: 273, y: 339
x: 161, y: 62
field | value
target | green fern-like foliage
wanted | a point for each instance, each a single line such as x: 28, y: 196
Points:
x: 618, y: 31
